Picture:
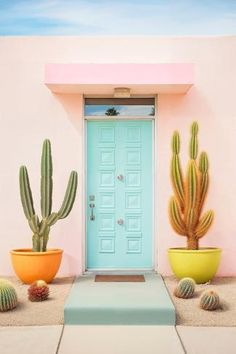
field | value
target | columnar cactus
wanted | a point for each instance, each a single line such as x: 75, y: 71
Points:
x: 8, y: 296
x: 210, y: 301
x: 185, y: 288
x: 41, y: 228
x: 185, y: 207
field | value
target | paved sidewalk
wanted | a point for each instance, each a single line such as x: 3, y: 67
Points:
x: 117, y: 340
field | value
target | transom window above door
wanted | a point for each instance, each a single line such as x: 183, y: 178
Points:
x: 130, y: 107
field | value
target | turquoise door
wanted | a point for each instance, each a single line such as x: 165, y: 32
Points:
x: 119, y: 194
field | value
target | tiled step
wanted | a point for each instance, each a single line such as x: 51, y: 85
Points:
x: 94, y: 303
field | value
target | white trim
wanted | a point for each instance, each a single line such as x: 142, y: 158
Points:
x: 107, y: 118
x: 84, y: 189
x: 84, y: 183
x: 155, y: 153
x: 112, y: 96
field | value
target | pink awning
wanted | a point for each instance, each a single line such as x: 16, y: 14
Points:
x: 103, y: 78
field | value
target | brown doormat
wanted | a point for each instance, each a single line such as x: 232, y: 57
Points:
x: 120, y: 278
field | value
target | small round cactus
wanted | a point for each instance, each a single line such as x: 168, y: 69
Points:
x: 8, y: 296
x: 210, y: 301
x: 38, y: 291
x: 185, y: 288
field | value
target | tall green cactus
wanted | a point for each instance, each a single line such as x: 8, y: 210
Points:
x: 41, y: 228
x: 185, y: 207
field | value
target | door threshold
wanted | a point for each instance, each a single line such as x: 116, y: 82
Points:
x: 119, y: 271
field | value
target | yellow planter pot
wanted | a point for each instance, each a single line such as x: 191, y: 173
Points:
x: 201, y: 265
x: 30, y: 266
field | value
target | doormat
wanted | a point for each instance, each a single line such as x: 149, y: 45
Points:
x: 120, y: 278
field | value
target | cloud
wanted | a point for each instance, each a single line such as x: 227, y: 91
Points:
x: 123, y: 17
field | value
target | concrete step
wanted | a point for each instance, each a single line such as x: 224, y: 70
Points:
x: 94, y: 303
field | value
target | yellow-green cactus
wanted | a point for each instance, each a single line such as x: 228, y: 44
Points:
x: 210, y: 301
x: 8, y: 296
x: 185, y: 288
x: 185, y: 207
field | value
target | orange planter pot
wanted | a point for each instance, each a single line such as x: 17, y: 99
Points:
x: 30, y: 266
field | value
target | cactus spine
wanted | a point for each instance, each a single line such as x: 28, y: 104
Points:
x: 210, y: 301
x: 185, y: 207
x: 41, y: 228
x: 185, y: 288
x: 8, y: 296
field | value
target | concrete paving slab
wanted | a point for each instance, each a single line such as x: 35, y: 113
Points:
x: 210, y: 340
x: 95, y: 303
x: 30, y: 339
x: 120, y: 340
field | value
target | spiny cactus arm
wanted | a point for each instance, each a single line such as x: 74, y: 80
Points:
x: 192, y: 197
x: 193, y: 150
x: 176, y: 218
x: 176, y: 171
x: 25, y: 193
x: 46, y: 179
x: 43, y: 227
x: 36, y: 243
x: 52, y: 219
x: 204, y: 224
x: 45, y: 239
x: 34, y: 223
x: 70, y: 194
x: 204, y: 179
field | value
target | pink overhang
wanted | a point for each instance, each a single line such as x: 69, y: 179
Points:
x: 103, y: 78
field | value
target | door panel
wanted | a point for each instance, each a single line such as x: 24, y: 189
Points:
x: 119, y: 176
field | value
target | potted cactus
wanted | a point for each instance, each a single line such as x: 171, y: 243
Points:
x: 41, y: 262
x: 187, y: 216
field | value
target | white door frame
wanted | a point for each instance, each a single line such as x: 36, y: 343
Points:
x: 84, y: 184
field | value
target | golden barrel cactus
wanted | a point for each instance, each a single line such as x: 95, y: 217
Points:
x: 186, y: 205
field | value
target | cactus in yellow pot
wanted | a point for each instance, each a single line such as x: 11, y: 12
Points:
x: 186, y: 206
x: 187, y: 215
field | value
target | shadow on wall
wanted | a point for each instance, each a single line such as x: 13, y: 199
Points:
x: 73, y: 106
x: 187, y: 105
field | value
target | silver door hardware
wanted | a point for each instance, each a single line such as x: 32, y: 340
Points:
x: 120, y: 221
x: 92, y: 216
x: 92, y: 198
x: 120, y: 177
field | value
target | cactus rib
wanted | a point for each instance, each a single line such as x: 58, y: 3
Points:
x: 25, y: 193
x: 46, y: 179
x: 175, y: 217
x: 69, y: 196
x: 204, y: 224
x: 34, y: 223
x: 194, y: 142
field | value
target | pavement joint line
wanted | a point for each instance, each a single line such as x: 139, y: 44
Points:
x: 60, y: 339
x: 180, y: 339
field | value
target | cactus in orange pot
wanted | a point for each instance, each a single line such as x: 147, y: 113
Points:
x: 186, y: 205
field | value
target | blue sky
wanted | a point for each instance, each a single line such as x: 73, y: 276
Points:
x: 122, y: 17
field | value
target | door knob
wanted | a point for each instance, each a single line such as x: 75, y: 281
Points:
x: 120, y: 221
x: 120, y: 177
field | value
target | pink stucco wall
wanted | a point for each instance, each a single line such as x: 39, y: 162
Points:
x: 29, y: 112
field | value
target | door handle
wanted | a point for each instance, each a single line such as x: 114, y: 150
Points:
x: 92, y: 216
x: 120, y: 221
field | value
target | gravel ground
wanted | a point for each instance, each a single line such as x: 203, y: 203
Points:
x: 190, y: 314
x: 48, y: 312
